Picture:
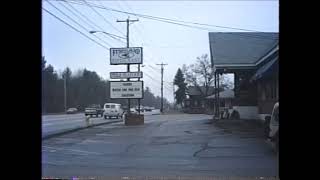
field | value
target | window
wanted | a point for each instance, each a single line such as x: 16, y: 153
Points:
x: 107, y: 106
x: 113, y: 106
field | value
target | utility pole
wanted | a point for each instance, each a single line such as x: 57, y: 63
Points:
x: 161, y: 110
x: 128, y: 66
x: 65, y: 93
x: 174, y: 104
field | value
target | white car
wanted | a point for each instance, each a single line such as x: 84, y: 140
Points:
x: 72, y: 110
x: 112, y: 110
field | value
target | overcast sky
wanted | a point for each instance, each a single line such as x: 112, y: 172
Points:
x: 162, y: 42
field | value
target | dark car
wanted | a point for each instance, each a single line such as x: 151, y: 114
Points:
x: 94, y: 109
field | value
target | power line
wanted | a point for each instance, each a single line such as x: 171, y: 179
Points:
x: 103, y: 17
x: 74, y: 28
x: 167, y: 20
x: 92, y: 23
x: 110, y: 33
x: 154, y: 68
x: 76, y: 22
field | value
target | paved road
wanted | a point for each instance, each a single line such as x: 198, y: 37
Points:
x: 171, y: 145
x: 52, y: 124
x: 57, y: 123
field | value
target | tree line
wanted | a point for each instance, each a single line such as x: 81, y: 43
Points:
x: 83, y: 88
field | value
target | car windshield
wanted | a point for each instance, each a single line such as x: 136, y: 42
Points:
x: 107, y: 106
x: 113, y: 106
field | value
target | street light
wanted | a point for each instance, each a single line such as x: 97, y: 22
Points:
x: 109, y: 34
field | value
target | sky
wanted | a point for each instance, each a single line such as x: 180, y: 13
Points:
x: 175, y: 45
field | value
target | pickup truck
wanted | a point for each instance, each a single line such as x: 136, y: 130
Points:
x: 94, y: 109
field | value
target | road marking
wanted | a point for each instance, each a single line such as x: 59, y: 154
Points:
x: 104, y: 134
x: 65, y: 122
x: 74, y: 150
x: 94, y: 141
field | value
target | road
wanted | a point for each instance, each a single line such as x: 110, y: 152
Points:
x: 58, y: 123
x: 166, y: 145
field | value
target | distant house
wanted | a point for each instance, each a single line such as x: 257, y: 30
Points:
x: 196, y: 101
x: 252, y: 58
x: 226, y: 98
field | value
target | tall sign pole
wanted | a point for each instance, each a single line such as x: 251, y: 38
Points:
x: 128, y: 66
x: 161, y: 109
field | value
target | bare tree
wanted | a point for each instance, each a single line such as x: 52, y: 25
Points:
x: 201, y: 74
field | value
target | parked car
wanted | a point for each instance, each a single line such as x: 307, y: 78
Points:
x: 94, y: 109
x: 112, y: 110
x: 72, y: 110
x: 272, y: 126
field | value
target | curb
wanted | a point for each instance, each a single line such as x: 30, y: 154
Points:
x: 76, y: 129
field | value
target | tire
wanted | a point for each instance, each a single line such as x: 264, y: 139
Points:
x: 266, y: 129
x: 90, y: 115
x: 276, y: 142
x: 105, y: 117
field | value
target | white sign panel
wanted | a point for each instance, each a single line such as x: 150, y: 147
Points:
x: 122, y: 75
x: 126, y: 89
x: 132, y: 55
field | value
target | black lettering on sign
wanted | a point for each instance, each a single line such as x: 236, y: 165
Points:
x: 116, y: 89
x: 127, y: 84
x: 130, y: 89
x: 127, y: 95
x: 137, y: 89
x: 124, y: 89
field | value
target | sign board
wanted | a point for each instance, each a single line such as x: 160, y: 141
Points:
x: 131, y: 55
x: 126, y: 89
x: 122, y: 75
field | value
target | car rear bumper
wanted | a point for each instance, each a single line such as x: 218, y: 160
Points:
x: 90, y: 112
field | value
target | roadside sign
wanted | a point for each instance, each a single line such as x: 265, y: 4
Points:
x: 123, y: 75
x: 132, y: 55
x: 126, y: 89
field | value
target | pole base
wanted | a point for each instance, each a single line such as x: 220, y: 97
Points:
x: 134, y: 119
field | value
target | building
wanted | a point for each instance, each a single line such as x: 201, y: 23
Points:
x: 196, y: 101
x: 252, y: 58
x: 267, y: 80
x: 226, y: 98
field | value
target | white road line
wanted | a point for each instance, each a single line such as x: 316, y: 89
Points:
x: 65, y: 122
x: 62, y: 119
x: 104, y: 134
x: 74, y: 150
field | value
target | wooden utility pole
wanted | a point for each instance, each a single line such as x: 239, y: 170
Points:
x: 128, y: 66
x: 161, y: 109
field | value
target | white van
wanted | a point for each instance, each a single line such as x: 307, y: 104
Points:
x: 112, y: 110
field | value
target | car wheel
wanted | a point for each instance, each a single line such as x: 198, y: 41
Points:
x: 105, y: 117
x: 276, y: 142
x: 266, y: 128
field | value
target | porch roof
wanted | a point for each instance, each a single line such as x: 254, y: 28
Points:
x: 227, y: 94
x: 240, y: 50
